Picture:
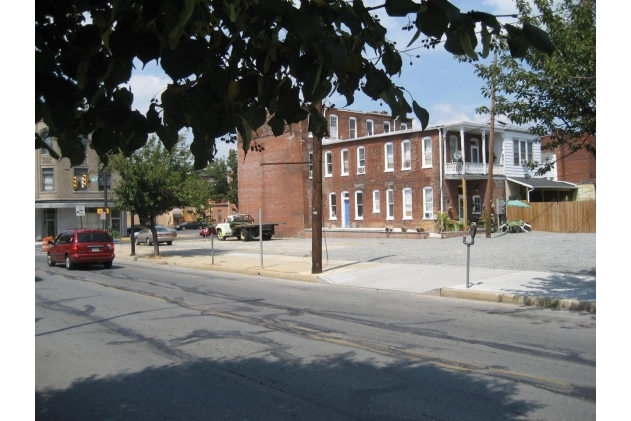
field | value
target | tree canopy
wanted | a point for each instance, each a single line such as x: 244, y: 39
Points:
x: 233, y: 63
x: 224, y: 185
x: 154, y: 181
x: 555, y: 94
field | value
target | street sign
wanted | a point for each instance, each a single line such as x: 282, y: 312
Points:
x: 103, y: 216
x: 94, y: 178
x: 80, y: 210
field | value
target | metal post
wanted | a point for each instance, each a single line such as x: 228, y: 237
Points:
x: 132, y: 235
x: 468, y: 259
x: 261, y: 235
x: 212, y: 247
x: 472, y: 229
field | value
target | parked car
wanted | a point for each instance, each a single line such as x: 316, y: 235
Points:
x: 165, y: 235
x: 208, y: 231
x: 137, y: 228
x: 190, y: 225
x: 81, y: 246
x: 173, y: 230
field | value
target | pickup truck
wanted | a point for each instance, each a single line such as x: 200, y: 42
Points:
x: 244, y: 228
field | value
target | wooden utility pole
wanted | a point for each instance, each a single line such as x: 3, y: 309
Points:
x: 488, y: 199
x: 316, y: 203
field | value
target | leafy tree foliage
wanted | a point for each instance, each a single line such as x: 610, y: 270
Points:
x: 155, y: 180
x: 224, y: 185
x: 555, y: 93
x: 233, y: 178
x: 233, y: 63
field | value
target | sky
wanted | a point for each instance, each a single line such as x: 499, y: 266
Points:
x: 448, y: 89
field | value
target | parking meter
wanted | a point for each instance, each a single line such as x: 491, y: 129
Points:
x: 472, y: 230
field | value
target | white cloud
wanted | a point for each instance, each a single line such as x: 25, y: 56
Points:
x: 145, y: 87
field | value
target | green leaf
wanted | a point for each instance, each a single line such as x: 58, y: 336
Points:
x: 538, y: 38
x: 468, y: 42
x: 517, y: 43
x: 168, y: 136
x: 184, y: 60
x: 433, y: 22
x: 392, y: 60
x: 376, y: 82
x: 183, y: 18
x: 421, y: 113
x: 277, y: 125
x: 401, y: 7
x: 486, y: 42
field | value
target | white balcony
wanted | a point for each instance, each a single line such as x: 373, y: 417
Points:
x: 472, y: 168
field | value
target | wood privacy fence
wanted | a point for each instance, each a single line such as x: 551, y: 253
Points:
x: 557, y: 216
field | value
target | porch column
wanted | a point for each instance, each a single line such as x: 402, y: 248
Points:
x: 483, y: 132
x: 462, y: 146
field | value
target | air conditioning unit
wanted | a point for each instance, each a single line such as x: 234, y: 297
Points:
x: 361, y: 170
x: 524, y: 162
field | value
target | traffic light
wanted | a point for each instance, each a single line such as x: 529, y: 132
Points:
x: 84, y: 180
x: 74, y: 182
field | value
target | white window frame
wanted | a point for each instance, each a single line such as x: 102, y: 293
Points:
x: 361, y: 160
x: 332, y: 207
x: 407, y: 204
x: 405, y: 161
x: 390, y: 205
x: 426, y: 144
x: 477, y: 204
x: 328, y: 164
x: 403, y: 126
x: 388, y: 166
x: 522, y: 152
x: 310, y: 164
x: 48, y: 179
x: 370, y: 128
x: 475, y: 146
x: 344, y: 164
x: 333, y: 126
x: 428, y: 203
x: 376, y: 201
x: 352, y: 128
x: 47, y: 140
x: 386, y: 127
x: 359, y: 205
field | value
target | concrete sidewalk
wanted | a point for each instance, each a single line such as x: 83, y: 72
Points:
x: 542, y: 289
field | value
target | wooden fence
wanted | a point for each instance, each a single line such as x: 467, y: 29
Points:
x: 557, y: 216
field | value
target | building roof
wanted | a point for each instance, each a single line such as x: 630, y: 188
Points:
x: 542, y: 183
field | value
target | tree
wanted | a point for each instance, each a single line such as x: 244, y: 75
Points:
x: 554, y: 93
x: 155, y: 180
x: 225, y: 185
x: 240, y: 63
x: 233, y: 178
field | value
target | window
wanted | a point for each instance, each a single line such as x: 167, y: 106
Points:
x: 47, y: 140
x: 427, y: 152
x: 475, y: 150
x: 369, y: 128
x: 48, y: 183
x: 332, y: 206
x: 310, y: 164
x: 477, y: 204
x: 85, y: 142
x: 102, y: 178
x: 352, y: 128
x: 406, y: 155
x: 386, y: 127
x: 333, y: 126
x: 428, y: 203
x: 407, y: 203
x: 359, y: 205
x: 522, y: 152
x: 81, y: 184
x: 376, y: 204
x: 389, y: 153
x: 219, y: 218
x: 389, y: 204
x: 344, y: 161
x: 328, y: 164
x: 361, y: 160
x: 404, y: 126
x: 453, y: 147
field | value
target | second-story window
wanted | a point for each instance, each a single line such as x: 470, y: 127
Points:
x: 352, y: 128
x: 361, y: 160
x: 404, y: 126
x: 522, y: 152
x: 48, y: 179
x: 328, y: 164
x: 427, y: 152
x: 475, y: 150
x: 344, y: 161
x: 406, y: 155
x: 310, y: 164
x: 389, y: 156
x: 333, y: 126
x: 386, y: 127
x: 369, y: 128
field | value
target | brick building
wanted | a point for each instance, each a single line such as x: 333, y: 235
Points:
x: 380, y: 172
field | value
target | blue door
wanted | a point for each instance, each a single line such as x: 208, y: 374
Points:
x: 347, y: 210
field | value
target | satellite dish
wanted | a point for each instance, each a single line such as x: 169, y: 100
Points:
x: 457, y: 155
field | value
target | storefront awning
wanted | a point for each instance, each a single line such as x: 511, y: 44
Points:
x: 177, y: 213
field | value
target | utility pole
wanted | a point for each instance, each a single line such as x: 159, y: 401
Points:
x: 489, y: 184
x: 316, y: 202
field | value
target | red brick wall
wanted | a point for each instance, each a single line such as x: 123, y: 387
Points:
x: 579, y: 167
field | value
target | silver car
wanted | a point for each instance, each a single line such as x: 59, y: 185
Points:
x: 165, y: 235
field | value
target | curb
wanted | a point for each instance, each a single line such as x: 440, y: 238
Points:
x: 525, y: 300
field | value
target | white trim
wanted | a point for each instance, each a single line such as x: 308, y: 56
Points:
x: 385, y: 155
x: 331, y: 125
x: 328, y: 161
x: 357, y: 217
x: 389, y: 216
x: 403, y: 160
x: 377, y: 202
x: 386, y: 123
x: 426, y: 140
x: 331, y: 217
x: 407, y: 191
x: 352, y: 132
x: 428, y: 214
x: 479, y: 202
x: 348, y: 164
x: 370, y: 132
x: 361, y: 169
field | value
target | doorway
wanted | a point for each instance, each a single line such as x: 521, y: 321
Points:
x: 346, y: 210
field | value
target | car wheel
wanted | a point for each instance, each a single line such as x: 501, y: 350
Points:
x: 148, y: 241
x: 169, y: 243
x: 221, y: 235
x: 50, y: 260
x: 267, y: 237
x: 69, y: 263
x: 137, y: 241
x: 183, y: 228
x: 244, y: 235
x: 107, y: 265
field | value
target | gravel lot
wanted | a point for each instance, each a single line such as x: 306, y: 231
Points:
x: 535, y: 251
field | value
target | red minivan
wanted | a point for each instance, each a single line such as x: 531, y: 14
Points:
x: 82, y: 245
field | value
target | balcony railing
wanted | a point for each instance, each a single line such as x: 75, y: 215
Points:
x: 472, y: 168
